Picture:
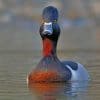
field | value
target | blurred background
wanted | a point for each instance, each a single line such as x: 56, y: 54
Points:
x: 20, y: 20
x: 20, y: 43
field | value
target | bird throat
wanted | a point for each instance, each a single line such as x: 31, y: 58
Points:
x: 49, y: 47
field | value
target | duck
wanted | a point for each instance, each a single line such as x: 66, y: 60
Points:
x: 50, y: 68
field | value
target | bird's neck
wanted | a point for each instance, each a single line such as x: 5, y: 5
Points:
x: 49, y: 47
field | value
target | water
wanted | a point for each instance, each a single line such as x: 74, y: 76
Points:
x: 15, y: 66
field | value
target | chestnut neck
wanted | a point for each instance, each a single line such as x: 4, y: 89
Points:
x: 49, y: 47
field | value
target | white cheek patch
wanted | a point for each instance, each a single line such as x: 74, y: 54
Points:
x: 48, y: 28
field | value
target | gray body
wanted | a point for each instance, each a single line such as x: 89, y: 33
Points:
x: 78, y: 71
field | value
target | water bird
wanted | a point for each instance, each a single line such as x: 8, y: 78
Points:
x: 50, y: 68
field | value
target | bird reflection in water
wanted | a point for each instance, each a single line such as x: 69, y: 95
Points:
x: 59, y: 91
x: 47, y: 91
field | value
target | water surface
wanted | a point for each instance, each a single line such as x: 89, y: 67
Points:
x: 15, y: 66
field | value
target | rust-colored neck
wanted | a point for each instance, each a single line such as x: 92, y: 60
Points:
x: 49, y: 47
